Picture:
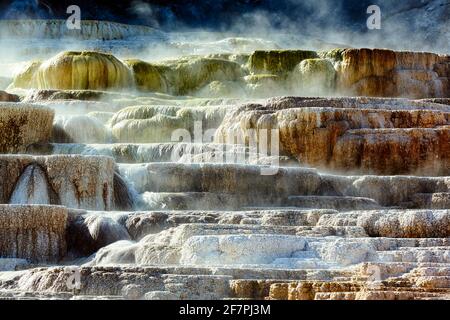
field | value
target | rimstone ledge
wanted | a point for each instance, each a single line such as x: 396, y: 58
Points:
x: 35, y: 233
x: 93, y: 178
x: 74, y: 181
x: 22, y: 125
x: 359, y: 135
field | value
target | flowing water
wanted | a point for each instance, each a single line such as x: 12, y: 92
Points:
x: 209, y: 168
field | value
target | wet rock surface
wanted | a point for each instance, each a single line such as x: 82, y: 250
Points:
x: 73, y: 181
x: 359, y: 72
x: 22, y: 125
x: 360, y: 135
x: 150, y: 179
x: 35, y: 233
x: 7, y: 97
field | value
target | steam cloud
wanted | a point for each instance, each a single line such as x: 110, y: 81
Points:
x: 406, y: 24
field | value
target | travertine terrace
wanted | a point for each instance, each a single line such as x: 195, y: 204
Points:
x: 98, y: 178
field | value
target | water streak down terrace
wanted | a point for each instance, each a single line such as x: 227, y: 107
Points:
x: 92, y: 176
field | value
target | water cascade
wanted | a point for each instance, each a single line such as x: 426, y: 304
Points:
x: 261, y: 173
x: 32, y: 187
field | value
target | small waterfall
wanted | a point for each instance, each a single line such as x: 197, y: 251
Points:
x: 81, y: 129
x: 123, y: 195
x: 32, y: 187
x: 182, y: 180
x: 105, y: 229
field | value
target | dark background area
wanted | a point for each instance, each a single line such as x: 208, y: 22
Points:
x: 209, y: 14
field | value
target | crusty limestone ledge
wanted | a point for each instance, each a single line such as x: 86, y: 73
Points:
x: 387, y: 73
x: 395, y: 223
x: 36, y: 233
x: 84, y: 182
x: 170, y: 282
x: 360, y: 135
x: 368, y: 281
x: 22, y: 125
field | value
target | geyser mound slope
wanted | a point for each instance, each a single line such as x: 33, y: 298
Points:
x: 362, y: 72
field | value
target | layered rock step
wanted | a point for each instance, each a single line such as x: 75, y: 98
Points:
x: 288, y: 252
x: 353, y: 206
x: 421, y: 282
x: 143, y: 124
x: 396, y: 289
x: 135, y: 283
x: 388, y: 73
x: 309, y: 223
x: 240, y: 185
x: 200, y: 152
x: 52, y: 29
x: 221, y: 245
x: 220, y: 283
x: 394, y: 223
x: 438, y: 200
x: 333, y: 202
x: 363, y: 72
x: 34, y: 233
x: 85, y: 182
x: 22, y: 125
x: 360, y: 135
x: 165, y: 231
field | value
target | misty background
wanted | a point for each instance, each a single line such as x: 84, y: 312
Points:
x: 405, y: 24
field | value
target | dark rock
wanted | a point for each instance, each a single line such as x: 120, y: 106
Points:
x: 8, y: 97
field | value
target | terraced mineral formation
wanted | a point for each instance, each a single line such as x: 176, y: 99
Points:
x: 184, y: 76
x: 159, y: 123
x: 22, y: 125
x: 152, y: 178
x: 361, y: 72
x: 77, y: 70
x: 73, y: 181
x: 36, y: 233
x: 388, y: 73
x: 381, y: 136
x: 54, y: 29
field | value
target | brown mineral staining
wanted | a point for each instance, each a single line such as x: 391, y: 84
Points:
x: 416, y: 283
x: 22, y: 125
x: 358, y: 209
x: 387, y: 73
x: 36, y: 233
x: 78, y: 181
x: 361, y: 135
x: 251, y: 289
x: 395, y: 289
x: 361, y: 72
x: 8, y: 97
